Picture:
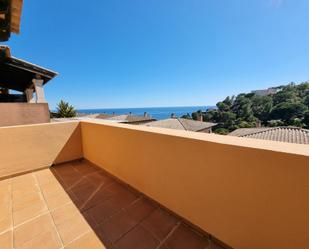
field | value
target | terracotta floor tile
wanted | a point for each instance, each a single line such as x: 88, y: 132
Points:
x: 51, y: 189
x: 101, y: 195
x: 5, y: 192
x: 117, y: 188
x: 23, y: 185
x: 45, y: 176
x: 88, y: 208
x: 89, y: 240
x: 160, y: 223
x: 5, y: 216
x: 26, y: 200
x: 138, y: 238
x: 214, y: 245
x: 103, y: 237
x: 64, y: 212
x: 5, y: 182
x: 67, y: 175
x: 124, y: 198
x: 56, y: 201
x: 70, y: 223
x: 84, y: 168
x: 103, y: 211
x: 6, y: 240
x: 183, y: 238
x: 84, y: 189
x: 141, y: 209
x: 23, y: 179
x: 117, y: 226
x: 90, y: 220
x: 99, y: 178
x: 36, y: 234
x: 32, y: 210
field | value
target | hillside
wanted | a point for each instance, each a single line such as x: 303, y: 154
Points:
x: 289, y: 106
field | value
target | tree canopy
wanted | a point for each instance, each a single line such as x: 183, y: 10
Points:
x: 289, y: 106
x: 65, y: 110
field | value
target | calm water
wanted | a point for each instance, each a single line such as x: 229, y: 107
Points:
x: 155, y: 112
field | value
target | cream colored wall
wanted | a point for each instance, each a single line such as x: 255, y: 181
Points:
x: 30, y: 147
x: 23, y: 113
x: 248, y: 193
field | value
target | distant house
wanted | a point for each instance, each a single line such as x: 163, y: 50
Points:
x: 125, y: 118
x: 183, y: 124
x: 281, y: 134
x: 266, y: 92
x: 131, y: 119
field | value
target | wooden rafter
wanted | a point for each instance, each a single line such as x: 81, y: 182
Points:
x: 16, y: 9
x: 10, y: 14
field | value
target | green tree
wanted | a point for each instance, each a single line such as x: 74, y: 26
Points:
x: 306, y: 119
x: 287, y: 111
x: 289, y: 106
x: 65, y: 110
x: 262, y: 107
x: 306, y: 100
x: 186, y: 116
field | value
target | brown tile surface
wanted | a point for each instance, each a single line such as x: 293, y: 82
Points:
x: 103, y: 211
x: 99, y: 178
x: 141, y: 209
x: 183, y: 238
x: 118, y: 225
x: 160, y: 223
x: 76, y: 205
x: 138, y: 238
x: 84, y: 168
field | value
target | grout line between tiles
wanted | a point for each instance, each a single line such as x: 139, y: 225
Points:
x: 169, y: 234
x: 12, y: 221
x: 31, y: 219
x: 90, y: 197
x: 52, y: 218
x: 78, y: 237
x: 138, y: 223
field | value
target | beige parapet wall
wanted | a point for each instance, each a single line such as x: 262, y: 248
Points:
x: 250, y: 194
x: 30, y: 147
x: 23, y: 113
x: 247, y: 193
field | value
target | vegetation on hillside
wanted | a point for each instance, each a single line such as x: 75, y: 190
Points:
x: 288, y: 107
x: 65, y: 110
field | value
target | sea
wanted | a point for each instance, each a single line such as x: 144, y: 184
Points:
x: 155, y: 112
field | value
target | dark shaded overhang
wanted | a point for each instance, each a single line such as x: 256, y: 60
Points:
x: 17, y: 74
x: 10, y: 14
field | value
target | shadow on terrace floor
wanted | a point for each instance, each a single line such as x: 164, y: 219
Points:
x: 121, y: 217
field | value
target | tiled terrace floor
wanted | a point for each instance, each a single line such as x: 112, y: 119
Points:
x: 76, y: 205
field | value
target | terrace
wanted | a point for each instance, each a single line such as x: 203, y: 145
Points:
x: 88, y: 184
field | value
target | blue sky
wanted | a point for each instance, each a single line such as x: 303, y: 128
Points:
x: 137, y: 53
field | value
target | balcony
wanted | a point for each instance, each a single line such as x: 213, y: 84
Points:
x: 106, y: 185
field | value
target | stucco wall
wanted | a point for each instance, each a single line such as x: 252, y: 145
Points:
x: 248, y: 193
x: 23, y: 113
x: 30, y: 147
